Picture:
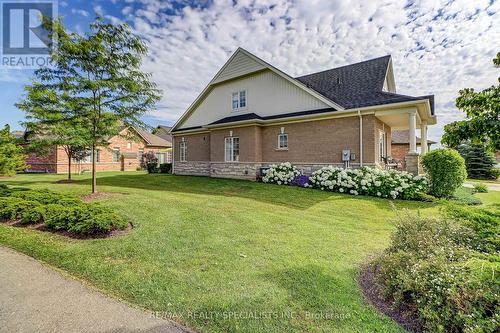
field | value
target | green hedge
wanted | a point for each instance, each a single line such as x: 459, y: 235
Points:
x: 59, y: 212
x: 446, y: 269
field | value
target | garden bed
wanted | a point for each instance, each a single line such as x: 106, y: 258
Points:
x: 59, y: 213
x: 405, y: 315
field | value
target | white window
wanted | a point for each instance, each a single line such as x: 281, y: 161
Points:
x: 232, y: 149
x: 169, y: 157
x: 129, y: 145
x: 239, y: 100
x: 160, y: 157
x: 183, y: 151
x: 116, y: 154
x: 382, y: 144
x: 140, y: 154
x: 283, y: 141
x: 88, y: 157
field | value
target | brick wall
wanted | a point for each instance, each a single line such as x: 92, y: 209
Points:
x: 399, y: 152
x: 311, y: 145
x: 57, y: 159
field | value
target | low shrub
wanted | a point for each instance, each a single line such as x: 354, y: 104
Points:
x: 369, y: 181
x: 166, y: 168
x: 4, y: 190
x: 59, y: 217
x: 485, y: 222
x: 93, y: 218
x: 152, y: 168
x: 8, y: 207
x: 283, y: 173
x: 480, y: 188
x: 446, y: 171
x: 466, y: 196
x: 46, y: 197
x: 60, y: 212
x: 32, y: 212
x: 432, y: 266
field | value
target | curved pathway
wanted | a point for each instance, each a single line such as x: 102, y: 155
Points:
x: 35, y: 298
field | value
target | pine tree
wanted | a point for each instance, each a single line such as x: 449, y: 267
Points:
x: 478, y: 160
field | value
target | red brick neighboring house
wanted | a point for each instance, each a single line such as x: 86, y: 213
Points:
x: 120, y: 155
x: 400, y: 145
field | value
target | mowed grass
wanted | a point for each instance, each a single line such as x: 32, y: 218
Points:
x: 227, y: 255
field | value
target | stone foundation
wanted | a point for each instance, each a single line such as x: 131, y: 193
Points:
x: 192, y: 168
x: 235, y: 170
x: 241, y: 170
x: 412, y: 161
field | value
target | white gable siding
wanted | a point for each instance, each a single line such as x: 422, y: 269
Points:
x: 267, y: 94
x: 241, y: 64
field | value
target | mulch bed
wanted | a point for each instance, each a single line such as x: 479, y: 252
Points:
x: 99, y: 195
x: 43, y: 227
x: 405, y: 315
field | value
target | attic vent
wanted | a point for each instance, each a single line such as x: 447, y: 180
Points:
x: 338, y: 80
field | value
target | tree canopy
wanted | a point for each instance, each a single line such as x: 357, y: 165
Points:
x: 12, y: 158
x: 482, y: 123
x: 94, y: 87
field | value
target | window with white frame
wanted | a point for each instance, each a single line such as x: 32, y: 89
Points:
x: 283, y: 141
x: 232, y: 149
x: 183, y: 151
x: 239, y: 100
x: 382, y: 144
x: 88, y: 157
x: 115, y: 152
x: 140, y: 154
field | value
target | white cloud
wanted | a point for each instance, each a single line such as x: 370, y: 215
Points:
x: 81, y: 12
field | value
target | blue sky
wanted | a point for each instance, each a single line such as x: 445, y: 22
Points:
x: 438, y: 47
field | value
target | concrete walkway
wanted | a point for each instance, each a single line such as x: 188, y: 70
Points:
x: 490, y: 186
x: 35, y: 298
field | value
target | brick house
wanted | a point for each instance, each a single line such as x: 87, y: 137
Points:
x: 252, y: 115
x: 120, y: 155
x: 400, y: 145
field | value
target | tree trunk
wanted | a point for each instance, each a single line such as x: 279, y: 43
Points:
x: 94, y: 181
x: 70, y: 156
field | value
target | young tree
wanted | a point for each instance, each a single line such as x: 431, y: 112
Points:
x: 99, y: 78
x: 12, y: 158
x: 482, y: 124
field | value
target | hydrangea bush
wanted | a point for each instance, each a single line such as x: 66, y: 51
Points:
x: 369, y: 181
x: 283, y: 173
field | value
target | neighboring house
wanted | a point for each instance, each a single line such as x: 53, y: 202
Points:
x: 252, y: 115
x: 400, y: 145
x: 164, y: 133
x: 120, y: 155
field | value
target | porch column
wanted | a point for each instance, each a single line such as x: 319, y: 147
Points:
x: 423, y: 137
x: 412, y: 127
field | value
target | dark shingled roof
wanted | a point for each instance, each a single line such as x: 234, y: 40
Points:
x: 253, y: 116
x: 357, y: 85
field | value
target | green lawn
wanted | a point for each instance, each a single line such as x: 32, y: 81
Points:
x: 227, y: 255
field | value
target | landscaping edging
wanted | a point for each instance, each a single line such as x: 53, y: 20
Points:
x: 404, y: 315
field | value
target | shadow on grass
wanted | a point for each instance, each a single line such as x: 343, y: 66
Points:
x: 292, y: 197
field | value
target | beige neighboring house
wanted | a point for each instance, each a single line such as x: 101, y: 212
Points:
x: 251, y: 115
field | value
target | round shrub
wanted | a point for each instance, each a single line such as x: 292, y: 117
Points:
x: 446, y: 171
x: 93, y: 218
x: 283, y: 173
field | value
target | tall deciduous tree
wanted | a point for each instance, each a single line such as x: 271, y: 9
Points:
x: 12, y: 158
x: 482, y: 123
x: 99, y: 78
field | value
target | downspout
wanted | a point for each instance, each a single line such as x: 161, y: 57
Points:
x: 360, y: 139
